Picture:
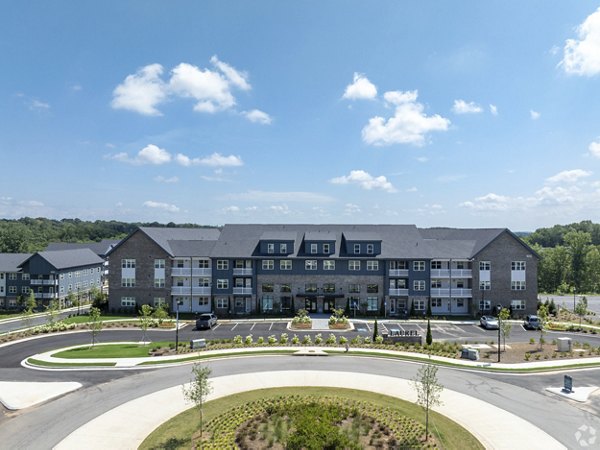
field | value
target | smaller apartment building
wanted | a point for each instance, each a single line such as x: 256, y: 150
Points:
x: 12, y: 281
x: 377, y: 269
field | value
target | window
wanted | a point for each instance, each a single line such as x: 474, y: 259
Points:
x: 436, y: 284
x: 370, y: 249
x: 485, y: 265
x: 328, y: 265
x: 267, y: 303
x: 125, y: 264
x: 310, y: 264
x: 329, y: 288
x: 2, y: 276
x: 354, y: 288
x: 159, y: 263
x: 180, y: 264
x: 372, y: 304
x: 128, y: 302
x: 127, y: 282
x: 25, y: 289
x: 159, y: 282
x: 460, y: 284
x: 419, y: 304
x: 285, y: 264
x: 222, y: 264
x: 1, y: 289
x: 372, y: 265
x: 25, y: 276
x: 222, y: 303
x: 203, y: 264
x: 222, y: 283
x: 283, y: 248
x: 12, y: 289
x: 485, y: 305
x: 356, y: 249
x: 460, y: 265
x: 310, y: 287
x: 517, y: 265
x: 460, y: 302
x: 372, y: 288
x: 267, y: 287
x: 62, y: 276
x: 313, y: 249
x: 268, y: 264
x: 517, y: 304
x: 353, y: 264
x: 327, y: 249
x: 270, y: 249
x: 70, y: 287
x: 436, y: 265
x: 419, y: 285
x: 203, y: 301
x: 517, y: 285
x: 485, y: 285
x: 418, y: 266
x: 285, y: 288
x: 12, y: 276
x: 159, y: 301
x: 204, y: 282
x: 286, y: 302
x: 436, y: 302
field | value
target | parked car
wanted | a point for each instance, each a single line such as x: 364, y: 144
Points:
x: 207, y: 320
x: 532, y: 322
x: 489, y: 322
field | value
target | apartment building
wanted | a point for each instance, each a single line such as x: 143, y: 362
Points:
x: 377, y: 269
x: 12, y: 281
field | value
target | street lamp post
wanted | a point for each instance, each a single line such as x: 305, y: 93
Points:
x: 177, y: 303
x: 499, y: 328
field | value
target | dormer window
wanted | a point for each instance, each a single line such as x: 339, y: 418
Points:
x: 326, y: 249
x: 313, y: 249
x: 370, y: 249
x: 356, y: 249
x: 270, y: 248
x: 283, y: 248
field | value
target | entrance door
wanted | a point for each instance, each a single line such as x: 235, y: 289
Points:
x: 310, y: 304
x: 328, y: 305
x: 393, y: 302
x: 248, y: 305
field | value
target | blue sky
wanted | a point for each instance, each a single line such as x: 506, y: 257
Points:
x: 462, y: 113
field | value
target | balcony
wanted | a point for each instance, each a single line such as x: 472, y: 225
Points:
x: 185, y: 290
x: 398, y: 292
x: 185, y: 272
x: 398, y: 272
x: 39, y: 282
x: 454, y: 273
x: 242, y: 291
x: 242, y: 272
x: 456, y: 292
x: 45, y: 295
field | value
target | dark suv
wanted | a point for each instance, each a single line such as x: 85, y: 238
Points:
x: 532, y: 322
x: 207, y: 320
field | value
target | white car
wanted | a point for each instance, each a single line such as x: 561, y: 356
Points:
x: 489, y: 322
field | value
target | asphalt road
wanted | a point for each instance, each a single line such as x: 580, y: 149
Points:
x: 44, y: 426
x: 17, y: 324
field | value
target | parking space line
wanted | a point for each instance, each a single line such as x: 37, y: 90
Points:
x: 235, y: 326
x: 478, y: 328
x: 422, y: 330
x: 252, y: 327
x: 401, y: 327
x: 368, y: 327
x: 271, y: 326
x: 215, y: 327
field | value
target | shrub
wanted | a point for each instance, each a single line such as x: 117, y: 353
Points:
x: 295, y: 340
x: 283, y: 339
x: 260, y: 340
x: 379, y: 339
x: 272, y: 339
x: 248, y: 340
x: 237, y: 340
x: 527, y: 356
x: 318, y: 339
x: 331, y: 340
x: 343, y: 340
x: 306, y: 340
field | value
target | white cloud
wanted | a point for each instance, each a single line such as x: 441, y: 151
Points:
x: 281, y: 197
x: 489, y: 202
x: 412, y: 189
x: 170, y: 180
x: 582, y: 55
x: 258, y: 116
x: 422, y: 159
x: 37, y: 105
x: 360, y: 88
x: 409, y: 125
x: 214, y: 160
x: 279, y: 209
x: 493, y: 110
x: 142, y: 91
x: 151, y: 154
x: 462, y: 107
x: 238, y: 79
x: 351, y: 208
x: 365, y: 180
x: 569, y: 176
x: 231, y: 209
x: 159, y: 205
x: 594, y: 149
x: 450, y: 178
x: 534, y: 114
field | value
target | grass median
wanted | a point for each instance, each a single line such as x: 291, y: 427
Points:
x: 37, y: 362
x: 131, y: 350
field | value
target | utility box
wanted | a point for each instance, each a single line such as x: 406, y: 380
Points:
x: 197, y: 343
x: 564, y: 344
x: 470, y: 353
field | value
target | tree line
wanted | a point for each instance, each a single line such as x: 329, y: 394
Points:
x: 570, y: 257
x: 28, y: 235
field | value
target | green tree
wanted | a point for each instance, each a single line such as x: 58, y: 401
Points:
x: 429, y: 337
x: 95, y: 323
x: 581, y: 308
x: 197, y: 391
x: 160, y: 314
x: 30, y: 304
x: 99, y: 298
x: 592, y: 270
x: 428, y: 391
x: 375, y: 331
x: 577, y: 242
x: 429, y: 307
x: 505, y: 325
x: 542, y: 313
x: 145, y: 319
x: 52, y: 310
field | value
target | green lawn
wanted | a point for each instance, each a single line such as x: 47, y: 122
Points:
x: 111, y: 351
x: 86, y: 318
x: 10, y: 315
x: 176, y: 433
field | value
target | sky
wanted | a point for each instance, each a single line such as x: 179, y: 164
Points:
x: 445, y: 113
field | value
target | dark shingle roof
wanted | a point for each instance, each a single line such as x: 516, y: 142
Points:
x: 99, y: 248
x: 191, y: 248
x: 459, y: 242
x: 10, y: 262
x: 162, y: 236
x: 64, y: 259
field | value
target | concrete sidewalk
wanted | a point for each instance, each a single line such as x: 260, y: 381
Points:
x: 127, y: 425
